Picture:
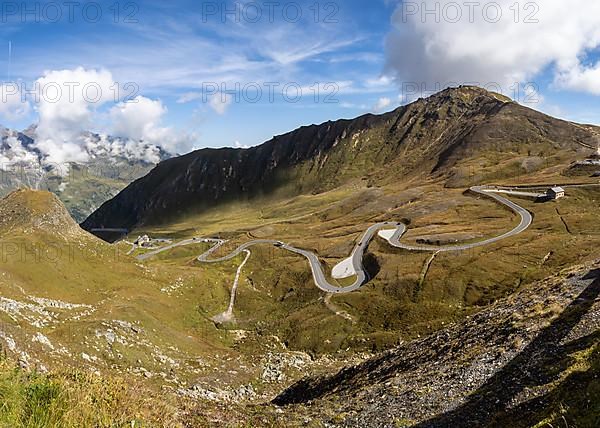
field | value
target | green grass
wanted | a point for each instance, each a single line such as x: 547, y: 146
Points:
x: 76, y: 399
x: 277, y: 293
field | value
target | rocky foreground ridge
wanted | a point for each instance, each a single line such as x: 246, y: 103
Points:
x: 529, y: 358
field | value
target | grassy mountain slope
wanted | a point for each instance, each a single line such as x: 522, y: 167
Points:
x: 81, y: 320
x: 546, y: 334
x: 469, y: 315
x: 435, y: 137
x: 440, y: 146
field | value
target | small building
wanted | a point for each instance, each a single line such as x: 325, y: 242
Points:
x: 143, y: 241
x: 555, y: 193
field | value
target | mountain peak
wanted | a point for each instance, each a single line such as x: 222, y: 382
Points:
x: 440, y: 137
x: 28, y: 210
x: 469, y: 94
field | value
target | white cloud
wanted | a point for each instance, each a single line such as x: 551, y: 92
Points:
x: 580, y: 78
x: 220, y: 103
x: 244, y: 53
x: 381, y: 82
x: 354, y: 106
x: 69, y: 103
x: 137, y: 119
x: 382, y: 104
x: 189, y: 97
x: 291, y: 53
x: 484, y: 52
x: 12, y: 104
x: 15, y: 153
x: 104, y: 146
x: 141, y: 119
x: 66, y: 101
x: 239, y: 145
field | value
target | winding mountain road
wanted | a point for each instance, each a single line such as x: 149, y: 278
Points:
x: 392, y: 232
x: 526, y: 220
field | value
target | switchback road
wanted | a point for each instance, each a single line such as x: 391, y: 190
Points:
x: 392, y: 232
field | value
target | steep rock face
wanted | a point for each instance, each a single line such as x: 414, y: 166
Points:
x: 427, y: 137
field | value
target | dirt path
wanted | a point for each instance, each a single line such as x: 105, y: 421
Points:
x: 424, y: 272
x: 227, y: 316
x: 564, y: 222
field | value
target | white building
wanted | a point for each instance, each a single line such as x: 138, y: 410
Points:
x: 556, y: 193
x: 143, y: 241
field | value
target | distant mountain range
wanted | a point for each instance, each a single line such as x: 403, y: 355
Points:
x: 463, y: 136
x: 82, y: 186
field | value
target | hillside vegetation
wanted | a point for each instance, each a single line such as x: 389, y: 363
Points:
x: 463, y: 136
x: 428, y: 340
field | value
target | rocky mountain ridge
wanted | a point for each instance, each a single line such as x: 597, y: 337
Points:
x: 429, y: 138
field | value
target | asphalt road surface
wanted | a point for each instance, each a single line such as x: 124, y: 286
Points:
x: 526, y: 220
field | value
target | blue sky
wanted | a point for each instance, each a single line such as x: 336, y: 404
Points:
x: 358, y: 53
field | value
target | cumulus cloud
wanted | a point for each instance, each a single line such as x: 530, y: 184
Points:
x: 66, y: 101
x: 13, y: 106
x: 480, y: 46
x: 69, y: 104
x: 382, y: 104
x: 114, y: 148
x: 138, y: 119
x: 580, y: 78
x: 141, y: 120
x: 220, y: 103
x: 13, y: 153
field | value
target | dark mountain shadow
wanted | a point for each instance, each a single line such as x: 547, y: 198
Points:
x: 536, y: 365
x: 371, y: 265
x: 575, y: 402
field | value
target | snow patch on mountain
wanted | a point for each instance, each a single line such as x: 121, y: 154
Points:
x: 13, y: 152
